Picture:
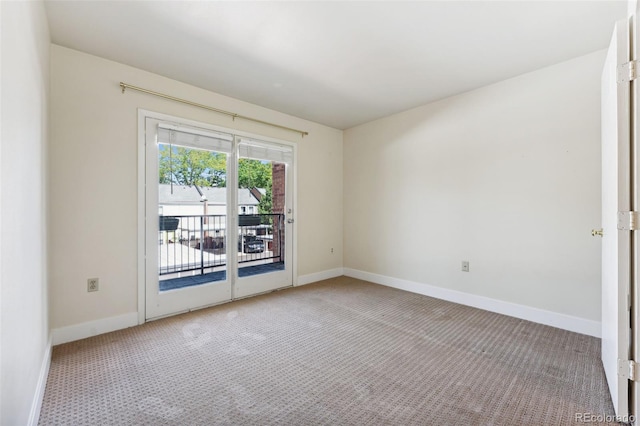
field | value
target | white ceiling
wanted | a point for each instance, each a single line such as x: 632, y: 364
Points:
x: 336, y: 63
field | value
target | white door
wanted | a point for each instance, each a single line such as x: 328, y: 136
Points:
x: 634, y: 397
x: 616, y: 244
x: 186, y: 248
x: 265, y: 232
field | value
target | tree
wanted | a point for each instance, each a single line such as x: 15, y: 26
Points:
x: 265, y: 206
x: 187, y: 166
x: 254, y: 173
x: 190, y: 166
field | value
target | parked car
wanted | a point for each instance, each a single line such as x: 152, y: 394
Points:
x: 251, y: 244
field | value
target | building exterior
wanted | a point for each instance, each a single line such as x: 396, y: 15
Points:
x: 182, y: 200
x: 190, y: 213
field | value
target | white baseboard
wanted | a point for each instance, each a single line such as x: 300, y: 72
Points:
x: 105, y: 325
x: 541, y: 316
x: 319, y: 276
x: 93, y: 328
x: 36, y: 405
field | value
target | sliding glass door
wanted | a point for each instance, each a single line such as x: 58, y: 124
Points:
x: 186, y: 218
x: 265, y: 230
x: 218, y: 217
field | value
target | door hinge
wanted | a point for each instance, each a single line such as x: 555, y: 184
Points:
x: 628, y: 369
x: 627, y: 71
x: 628, y: 221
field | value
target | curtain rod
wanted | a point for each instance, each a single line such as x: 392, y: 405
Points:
x: 220, y: 111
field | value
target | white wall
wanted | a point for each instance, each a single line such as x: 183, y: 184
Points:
x: 93, y: 178
x: 24, y: 329
x: 506, y: 177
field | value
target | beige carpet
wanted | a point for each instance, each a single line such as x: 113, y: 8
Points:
x: 340, y: 352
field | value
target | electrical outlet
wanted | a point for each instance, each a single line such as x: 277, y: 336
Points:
x: 93, y: 284
x: 465, y: 266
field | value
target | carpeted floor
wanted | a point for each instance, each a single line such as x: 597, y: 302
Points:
x: 339, y: 352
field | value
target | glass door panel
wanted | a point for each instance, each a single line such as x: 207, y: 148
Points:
x: 264, y: 237
x: 186, y: 186
x: 192, y: 218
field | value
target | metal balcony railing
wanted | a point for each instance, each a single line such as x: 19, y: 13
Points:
x: 194, y: 245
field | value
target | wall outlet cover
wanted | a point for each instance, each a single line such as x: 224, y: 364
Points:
x: 93, y: 284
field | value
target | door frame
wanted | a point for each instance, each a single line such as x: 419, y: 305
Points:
x: 143, y: 114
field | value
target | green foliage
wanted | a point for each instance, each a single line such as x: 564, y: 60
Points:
x: 265, y: 206
x: 254, y: 173
x: 186, y: 166
x: 189, y: 166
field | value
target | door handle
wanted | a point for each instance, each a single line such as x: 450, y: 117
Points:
x: 595, y: 232
x: 289, y: 220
